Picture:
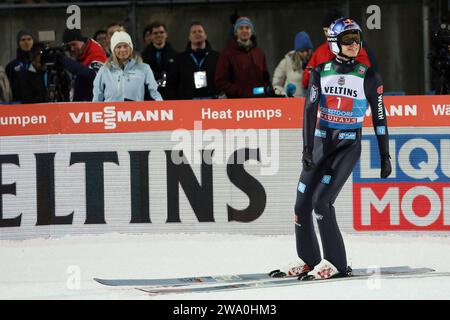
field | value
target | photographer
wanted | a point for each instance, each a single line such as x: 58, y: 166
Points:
x: 30, y: 84
x: 89, y: 58
x: 440, y: 61
x: 34, y: 85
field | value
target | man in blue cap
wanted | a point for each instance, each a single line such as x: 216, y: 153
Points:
x: 242, y: 65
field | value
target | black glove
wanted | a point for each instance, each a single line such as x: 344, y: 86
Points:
x: 307, y: 159
x: 386, y: 168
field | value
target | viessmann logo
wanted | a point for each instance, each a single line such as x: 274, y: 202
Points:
x: 417, y: 194
x: 110, y: 116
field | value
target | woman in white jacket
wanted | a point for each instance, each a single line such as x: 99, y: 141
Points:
x: 287, y: 78
x: 124, y: 77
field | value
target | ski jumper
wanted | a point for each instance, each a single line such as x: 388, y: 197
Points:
x: 339, y: 92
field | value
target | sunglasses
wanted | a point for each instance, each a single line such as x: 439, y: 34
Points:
x: 349, y: 39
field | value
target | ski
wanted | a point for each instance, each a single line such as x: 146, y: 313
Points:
x: 274, y: 282
x: 220, y: 279
x: 184, y: 281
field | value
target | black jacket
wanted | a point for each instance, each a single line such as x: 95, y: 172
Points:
x: 30, y: 86
x: 84, y: 79
x: 22, y: 62
x: 181, y: 83
x: 168, y: 56
x: 373, y: 90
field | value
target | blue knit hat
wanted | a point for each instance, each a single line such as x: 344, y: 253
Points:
x: 244, y: 20
x: 302, y: 41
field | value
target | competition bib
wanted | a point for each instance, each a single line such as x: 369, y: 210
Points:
x: 343, y: 102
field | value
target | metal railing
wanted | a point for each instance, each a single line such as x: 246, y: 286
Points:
x: 94, y: 3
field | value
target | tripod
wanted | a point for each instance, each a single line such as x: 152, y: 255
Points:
x: 57, y: 85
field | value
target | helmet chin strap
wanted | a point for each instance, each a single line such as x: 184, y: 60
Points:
x: 342, y: 55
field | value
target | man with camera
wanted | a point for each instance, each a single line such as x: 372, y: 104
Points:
x: 88, y: 56
x: 43, y: 80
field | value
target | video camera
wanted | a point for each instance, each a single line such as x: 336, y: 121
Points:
x: 52, y: 56
x: 58, y: 81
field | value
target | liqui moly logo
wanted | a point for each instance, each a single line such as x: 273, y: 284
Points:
x: 417, y: 194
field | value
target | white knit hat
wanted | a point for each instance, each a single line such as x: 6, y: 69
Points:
x: 120, y: 36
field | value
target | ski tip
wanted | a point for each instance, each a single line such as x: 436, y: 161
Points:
x: 103, y: 281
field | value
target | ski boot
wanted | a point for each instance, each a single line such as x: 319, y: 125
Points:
x: 325, y: 270
x: 295, y: 269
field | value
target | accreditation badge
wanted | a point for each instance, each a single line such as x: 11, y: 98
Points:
x: 200, y: 79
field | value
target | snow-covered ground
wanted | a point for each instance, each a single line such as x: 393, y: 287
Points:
x: 64, y: 268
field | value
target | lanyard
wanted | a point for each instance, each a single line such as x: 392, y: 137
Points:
x: 158, y: 57
x: 199, y: 64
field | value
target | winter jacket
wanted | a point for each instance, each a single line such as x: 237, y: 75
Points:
x: 285, y: 74
x: 31, y: 86
x: 239, y: 71
x: 113, y: 83
x: 84, y: 70
x: 161, y: 68
x: 324, y: 54
x: 22, y: 62
x: 181, y: 84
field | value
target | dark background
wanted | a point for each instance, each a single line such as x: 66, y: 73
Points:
x: 401, y: 45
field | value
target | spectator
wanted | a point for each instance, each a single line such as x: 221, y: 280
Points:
x: 193, y: 75
x: 124, y: 77
x: 287, y: 78
x: 110, y: 29
x: 5, y: 88
x: 89, y: 57
x: 147, y: 34
x: 323, y: 53
x: 242, y: 65
x: 100, y: 36
x: 159, y: 54
x: 25, y: 42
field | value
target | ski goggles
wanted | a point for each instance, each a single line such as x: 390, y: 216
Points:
x: 348, y: 39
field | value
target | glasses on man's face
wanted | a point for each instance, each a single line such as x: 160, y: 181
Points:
x: 348, y: 39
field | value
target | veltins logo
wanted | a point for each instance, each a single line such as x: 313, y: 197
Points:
x: 417, y: 194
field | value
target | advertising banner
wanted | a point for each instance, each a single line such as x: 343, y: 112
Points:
x: 228, y: 165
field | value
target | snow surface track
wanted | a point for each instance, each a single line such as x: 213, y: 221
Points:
x: 64, y: 268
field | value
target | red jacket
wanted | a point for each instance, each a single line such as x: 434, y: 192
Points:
x: 239, y: 71
x: 323, y: 54
x: 93, y: 55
